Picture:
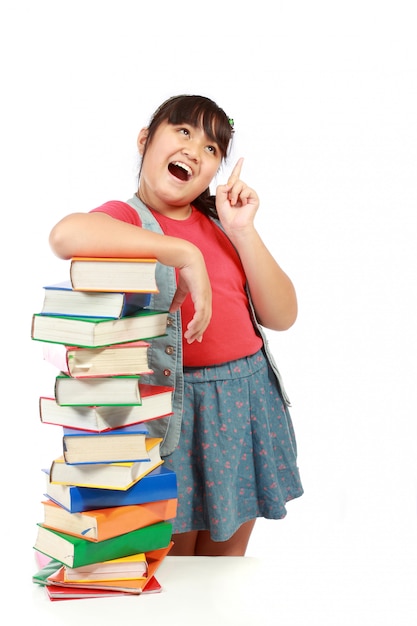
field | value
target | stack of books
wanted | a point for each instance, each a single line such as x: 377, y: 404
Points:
x: 109, y: 500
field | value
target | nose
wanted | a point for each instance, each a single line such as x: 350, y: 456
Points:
x: 192, y: 150
x: 191, y: 154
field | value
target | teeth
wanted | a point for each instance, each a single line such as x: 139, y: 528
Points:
x: 183, y: 166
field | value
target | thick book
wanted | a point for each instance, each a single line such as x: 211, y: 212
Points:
x: 106, y: 475
x: 76, y: 551
x: 101, y: 524
x: 117, y: 445
x: 113, y: 274
x: 129, y: 567
x: 62, y: 299
x: 156, y: 403
x: 122, y: 359
x: 159, y: 484
x: 96, y: 332
x: 101, y: 390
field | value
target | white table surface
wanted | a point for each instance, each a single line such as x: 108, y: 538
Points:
x: 310, y: 587
x: 196, y: 591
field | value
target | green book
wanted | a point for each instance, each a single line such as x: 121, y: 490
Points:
x: 75, y: 551
x: 40, y: 577
x: 98, y: 391
x: 95, y: 332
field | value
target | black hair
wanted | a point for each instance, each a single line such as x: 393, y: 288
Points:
x: 198, y: 111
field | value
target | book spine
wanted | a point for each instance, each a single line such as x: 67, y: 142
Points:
x: 132, y: 302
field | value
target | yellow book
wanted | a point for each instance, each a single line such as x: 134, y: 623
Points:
x: 106, y: 475
x: 126, y: 568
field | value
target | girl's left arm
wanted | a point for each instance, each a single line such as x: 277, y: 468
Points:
x: 272, y: 291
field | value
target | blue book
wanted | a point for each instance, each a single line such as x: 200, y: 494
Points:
x: 62, y: 299
x: 160, y: 484
x: 117, y: 445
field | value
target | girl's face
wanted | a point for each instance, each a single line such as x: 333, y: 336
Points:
x: 179, y: 164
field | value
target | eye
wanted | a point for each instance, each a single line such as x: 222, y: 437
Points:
x: 184, y: 131
x: 211, y: 149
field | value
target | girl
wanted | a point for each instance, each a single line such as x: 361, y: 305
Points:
x: 230, y: 439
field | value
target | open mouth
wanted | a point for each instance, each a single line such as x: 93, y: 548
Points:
x: 180, y: 170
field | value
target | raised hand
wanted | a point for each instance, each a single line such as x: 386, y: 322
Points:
x: 236, y: 202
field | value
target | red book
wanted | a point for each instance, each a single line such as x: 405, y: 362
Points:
x: 120, y: 359
x: 156, y: 403
x: 61, y: 592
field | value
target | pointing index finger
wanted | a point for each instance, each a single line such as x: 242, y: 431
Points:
x: 235, y: 175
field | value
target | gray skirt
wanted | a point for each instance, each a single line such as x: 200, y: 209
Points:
x: 237, y: 456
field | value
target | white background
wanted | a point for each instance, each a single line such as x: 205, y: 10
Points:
x: 324, y: 98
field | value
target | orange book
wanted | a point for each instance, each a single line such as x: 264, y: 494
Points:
x: 101, y: 524
x: 121, y: 359
x: 58, y: 592
x: 154, y: 559
x: 113, y: 274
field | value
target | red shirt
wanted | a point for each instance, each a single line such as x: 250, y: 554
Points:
x: 230, y: 334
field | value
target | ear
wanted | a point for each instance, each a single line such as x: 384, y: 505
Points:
x: 142, y: 139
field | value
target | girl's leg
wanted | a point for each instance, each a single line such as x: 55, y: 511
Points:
x: 184, y: 544
x: 199, y: 543
x: 235, y: 546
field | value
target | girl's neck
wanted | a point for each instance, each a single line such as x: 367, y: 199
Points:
x: 175, y: 213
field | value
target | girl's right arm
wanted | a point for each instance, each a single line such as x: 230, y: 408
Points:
x: 99, y: 235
